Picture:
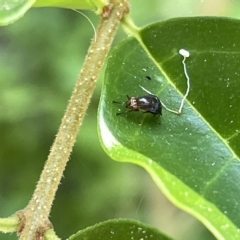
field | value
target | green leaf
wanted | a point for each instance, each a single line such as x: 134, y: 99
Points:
x: 119, y: 229
x: 94, y: 5
x: 194, y: 157
x: 12, y: 10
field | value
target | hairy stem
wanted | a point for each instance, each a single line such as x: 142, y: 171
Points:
x: 37, y: 212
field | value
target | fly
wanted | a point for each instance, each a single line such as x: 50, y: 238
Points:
x: 147, y: 104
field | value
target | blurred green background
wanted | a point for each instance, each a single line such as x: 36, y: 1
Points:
x: 40, y: 58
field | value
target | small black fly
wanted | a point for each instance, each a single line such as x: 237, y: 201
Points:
x: 147, y: 104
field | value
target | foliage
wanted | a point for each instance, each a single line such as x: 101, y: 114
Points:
x: 12, y: 10
x: 37, y: 66
x: 193, y: 158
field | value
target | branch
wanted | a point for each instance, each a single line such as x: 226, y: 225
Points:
x: 35, y: 215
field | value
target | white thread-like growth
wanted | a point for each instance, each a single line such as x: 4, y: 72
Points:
x: 95, y: 34
x: 185, y: 55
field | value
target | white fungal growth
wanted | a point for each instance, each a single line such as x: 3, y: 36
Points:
x: 184, y: 53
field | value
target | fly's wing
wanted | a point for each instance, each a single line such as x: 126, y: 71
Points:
x: 144, y: 103
x: 150, y: 103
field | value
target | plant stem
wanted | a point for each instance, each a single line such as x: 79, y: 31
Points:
x: 37, y: 212
x: 9, y: 224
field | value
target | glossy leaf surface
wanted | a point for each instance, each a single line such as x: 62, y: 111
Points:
x: 194, y: 157
x: 119, y: 229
